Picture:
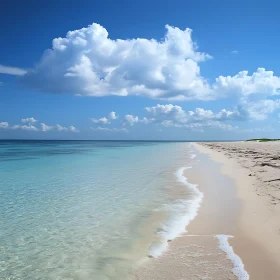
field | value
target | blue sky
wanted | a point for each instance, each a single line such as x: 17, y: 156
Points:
x: 160, y: 70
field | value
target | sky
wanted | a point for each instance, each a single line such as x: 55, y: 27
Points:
x: 139, y: 70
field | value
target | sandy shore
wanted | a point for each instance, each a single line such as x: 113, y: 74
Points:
x: 196, y: 254
x: 240, y: 183
x: 255, y: 169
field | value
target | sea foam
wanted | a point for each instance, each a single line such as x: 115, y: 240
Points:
x: 183, y: 212
x: 238, y: 268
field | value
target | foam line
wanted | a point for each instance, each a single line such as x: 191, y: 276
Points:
x: 238, y: 268
x: 183, y: 212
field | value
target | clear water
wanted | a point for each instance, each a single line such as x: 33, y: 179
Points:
x: 87, y: 210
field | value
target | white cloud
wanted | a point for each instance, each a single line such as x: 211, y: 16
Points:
x: 222, y: 126
x: 28, y: 127
x: 234, y: 52
x: 131, y: 120
x: 61, y: 128
x: 238, y: 113
x: 169, y: 111
x: 45, y: 127
x: 146, y: 120
x: 113, y: 116
x: 88, y: 62
x: 29, y: 120
x: 200, y: 114
x: 200, y: 126
x: 259, y: 110
x: 170, y: 115
x: 12, y: 70
x: 4, y: 125
x: 170, y: 123
x: 105, y: 129
x: 58, y: 127
x: 73, y: 129
x: 176, y: 114
x: 261, y: 82
x: 103, y: 120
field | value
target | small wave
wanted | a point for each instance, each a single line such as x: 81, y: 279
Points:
x: 238, y: 268
x: 182, y: 212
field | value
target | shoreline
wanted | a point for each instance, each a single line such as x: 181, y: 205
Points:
x: 203, y: 250
x: 257, y: 239
x: 236, y: 232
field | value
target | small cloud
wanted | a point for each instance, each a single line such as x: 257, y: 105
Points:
x: 4, y: 125
x: 28, y: 127
x: 61, y: 128
x: 234, y: 52
x: 113, y: 116
x: 29, y: 120
x: 58, y: 127
x: 103, y: 120
x: 131, y: 120
x: 45, y: 127
x: 73, y: 129
x: 12, y: 70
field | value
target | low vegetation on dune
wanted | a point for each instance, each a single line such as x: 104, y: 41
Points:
x: 262, y: 140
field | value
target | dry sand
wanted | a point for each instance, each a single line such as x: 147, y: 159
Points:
x: 241, y: 183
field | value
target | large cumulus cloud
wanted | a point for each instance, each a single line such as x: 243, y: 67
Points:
x: 88, y: 62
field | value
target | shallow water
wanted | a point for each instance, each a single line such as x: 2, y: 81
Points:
x: 89, y: 209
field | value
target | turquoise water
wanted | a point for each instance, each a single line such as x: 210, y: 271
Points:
x: 88, y: 209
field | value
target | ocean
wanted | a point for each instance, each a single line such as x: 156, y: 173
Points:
x: 90, y: 209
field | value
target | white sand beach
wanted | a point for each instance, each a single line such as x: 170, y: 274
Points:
x: 240, y: 182
x: 255, y: 169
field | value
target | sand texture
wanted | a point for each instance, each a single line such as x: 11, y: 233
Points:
x: 262, y: 160
x: 255, y: 169
x: 189, y: 257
